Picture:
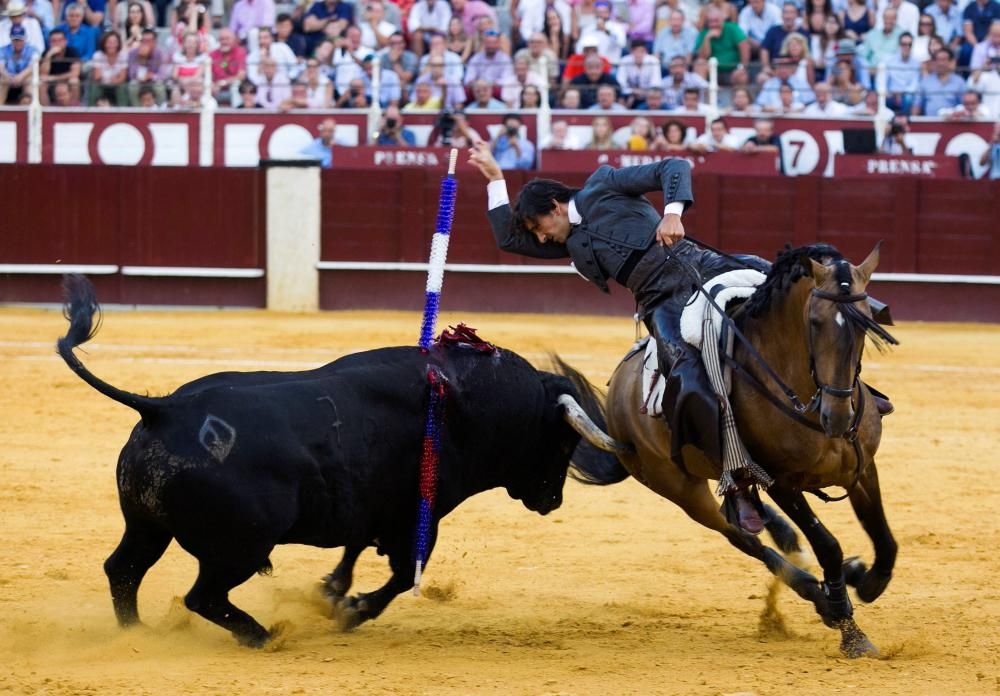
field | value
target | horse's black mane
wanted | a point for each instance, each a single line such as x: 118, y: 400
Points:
x: 789, y: 268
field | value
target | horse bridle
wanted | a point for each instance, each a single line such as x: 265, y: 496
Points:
x: 821, y: 387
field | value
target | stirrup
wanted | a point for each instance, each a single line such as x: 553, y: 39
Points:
x: 742, y: 508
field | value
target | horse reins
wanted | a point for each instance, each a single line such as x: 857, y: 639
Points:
x: 797, y: 409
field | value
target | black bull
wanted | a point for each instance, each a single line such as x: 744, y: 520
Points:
x: 232, y: 464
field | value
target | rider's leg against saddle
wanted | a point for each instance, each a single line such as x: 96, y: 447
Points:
x: 691, y: 407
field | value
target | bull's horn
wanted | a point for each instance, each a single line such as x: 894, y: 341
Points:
x: 582, y: 423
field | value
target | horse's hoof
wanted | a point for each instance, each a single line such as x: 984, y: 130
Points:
x: 854, y: 570
x: 348, y: 613
x: 854, y: 643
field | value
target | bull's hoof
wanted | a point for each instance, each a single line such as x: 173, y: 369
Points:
x: 334, y: 588
x: 853, y: 641
x: 348, y: 613
x: 257, y: 639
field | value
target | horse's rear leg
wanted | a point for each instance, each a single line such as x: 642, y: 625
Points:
x: 836, y: 610
x: 866, y: 498
x: 141, y: 546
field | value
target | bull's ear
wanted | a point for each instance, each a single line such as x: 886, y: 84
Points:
x: 869, y: 265
x: 555, y: 386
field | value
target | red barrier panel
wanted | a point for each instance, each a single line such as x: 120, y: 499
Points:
x: 13, y: 136
x: 164, y: 235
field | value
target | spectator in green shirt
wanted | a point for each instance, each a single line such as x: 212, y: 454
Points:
x: 725, y: 41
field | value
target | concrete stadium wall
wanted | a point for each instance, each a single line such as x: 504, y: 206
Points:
x: 197, y: 236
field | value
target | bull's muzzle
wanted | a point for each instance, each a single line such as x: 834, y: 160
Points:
x: 580, y: 422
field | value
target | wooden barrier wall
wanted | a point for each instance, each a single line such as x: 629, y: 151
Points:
x: 212, y: 219
x: 177, y: 233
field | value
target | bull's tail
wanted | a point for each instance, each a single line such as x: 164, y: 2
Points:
x: 589, y: 464
x: 80, y: 308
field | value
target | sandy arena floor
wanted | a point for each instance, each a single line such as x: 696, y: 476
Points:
x: 615, y: 593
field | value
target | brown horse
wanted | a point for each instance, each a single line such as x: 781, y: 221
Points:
x: 807, y: 322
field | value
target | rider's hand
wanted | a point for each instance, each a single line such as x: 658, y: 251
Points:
x: 670, y: 230
x: 482, y: 159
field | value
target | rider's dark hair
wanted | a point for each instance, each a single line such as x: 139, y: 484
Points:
x: 537, y: 198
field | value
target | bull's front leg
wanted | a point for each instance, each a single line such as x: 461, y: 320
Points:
x: 866, y: 498
x: 337, y: 583
x: 351, y: 612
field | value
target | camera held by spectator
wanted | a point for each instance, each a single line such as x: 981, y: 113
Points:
x: 392, y: 131
x: 895, y: 139
x: 445, y: 125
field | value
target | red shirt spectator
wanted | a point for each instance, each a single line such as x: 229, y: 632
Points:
x: 229, y: 64
x: 574, y: 65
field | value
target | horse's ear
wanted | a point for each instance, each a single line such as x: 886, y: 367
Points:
x: 819, y: 272
x: 869, y: 265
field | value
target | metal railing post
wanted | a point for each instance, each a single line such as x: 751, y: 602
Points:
x: 35, y: 115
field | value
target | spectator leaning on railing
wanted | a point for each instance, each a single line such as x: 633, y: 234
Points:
x: 969, y: 109
x: 825, y: 105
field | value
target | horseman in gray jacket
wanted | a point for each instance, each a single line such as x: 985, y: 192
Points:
x: 611, y: 231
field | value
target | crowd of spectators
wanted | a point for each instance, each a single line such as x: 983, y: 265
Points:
x: 813, y: 57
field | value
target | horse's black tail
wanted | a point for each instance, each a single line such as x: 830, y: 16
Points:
x: 80, y: 307
x: 589, y: 464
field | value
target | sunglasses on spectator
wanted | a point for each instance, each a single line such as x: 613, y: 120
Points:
x: 491, y: 32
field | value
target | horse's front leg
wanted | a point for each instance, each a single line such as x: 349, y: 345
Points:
x: 835, y: 607
x: 866, y: 498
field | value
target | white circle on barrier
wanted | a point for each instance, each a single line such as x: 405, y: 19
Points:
x: 799, y: 151
x: 287, y: 141
x: 970, y: 144
x: 121, y: 143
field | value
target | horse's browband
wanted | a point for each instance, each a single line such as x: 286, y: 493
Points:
x: 839, y: 299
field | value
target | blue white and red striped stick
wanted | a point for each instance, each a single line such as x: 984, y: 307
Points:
x: 435, y: 403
